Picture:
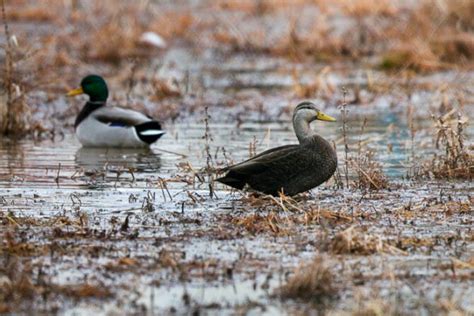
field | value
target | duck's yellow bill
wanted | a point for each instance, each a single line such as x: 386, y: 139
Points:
x: 324, y: 117
x: 75, y: 92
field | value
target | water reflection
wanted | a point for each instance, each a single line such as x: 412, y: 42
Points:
x: 93, y: 160
x: 12, y: 157
x: 48, y: 164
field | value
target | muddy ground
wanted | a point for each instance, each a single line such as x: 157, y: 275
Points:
x: 149, y: 232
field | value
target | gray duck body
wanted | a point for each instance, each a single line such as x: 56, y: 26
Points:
x: 290, y: 169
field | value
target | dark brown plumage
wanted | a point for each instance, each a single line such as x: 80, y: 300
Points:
x: 290, y: 169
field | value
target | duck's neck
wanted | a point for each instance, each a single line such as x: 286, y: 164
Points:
x: 90, y: 107
x: 302, y: 128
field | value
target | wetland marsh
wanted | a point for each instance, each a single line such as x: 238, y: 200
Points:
x: 113, y: 231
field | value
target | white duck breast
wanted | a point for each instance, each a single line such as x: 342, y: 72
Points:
x: 118, y: 127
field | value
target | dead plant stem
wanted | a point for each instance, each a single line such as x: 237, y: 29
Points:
x: 344, y: 135
x: 8, y: 80
x: 208, y: 139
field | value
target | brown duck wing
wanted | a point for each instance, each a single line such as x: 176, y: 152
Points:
x: 294, y: 170
x: 264, y: 160
x: 238, y: 175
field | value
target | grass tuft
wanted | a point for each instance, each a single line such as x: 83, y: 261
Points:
x: 311, y: 283
x: 453, y: 159
x: 356, y: 241
x: 370, y: 175
x: 14, y: 111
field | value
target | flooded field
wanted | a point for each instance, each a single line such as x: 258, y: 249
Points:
x: 142, y: 222
x: 114, y: 231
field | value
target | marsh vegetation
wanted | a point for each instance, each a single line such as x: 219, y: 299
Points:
x: 150, y: 231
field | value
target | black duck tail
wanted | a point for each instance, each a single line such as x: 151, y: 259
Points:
x: 149, y: 132
x: 232, y: 181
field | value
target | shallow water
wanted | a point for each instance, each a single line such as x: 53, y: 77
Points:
x: 42, y: 177
x: 37, y: 164
x: 46, y: 178
x: 82, y: 211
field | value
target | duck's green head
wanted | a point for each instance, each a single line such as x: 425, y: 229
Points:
x: 94, y: 86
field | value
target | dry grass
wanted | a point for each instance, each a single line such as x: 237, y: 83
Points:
x: 368, y: 172
x: 374, y: 307
x: 269, y: 223
x: 83, y: 291
x: 106, y: 34
x: 31, y: 13
x: 364, y: 8
x: 370, y: 175
x: 283, y: 216
x: 429, y: 36
x: 12, y: 245
x: 313, y: 283
x: 356, y: 241
x: 176, y: 25
x: 115, y: 41
x: 279, y: 223
x: 424, y: 36
x: 23, y: 284
x: 415, y: 55
x: 16, y: 116
x: 164, y: 89
x: 18, y: 291
x: 16, y: 288
x: 453, y: 159
x: 318, y: 87
x: 101, y: 31
x: 14, y: 111
x: 436, y: 36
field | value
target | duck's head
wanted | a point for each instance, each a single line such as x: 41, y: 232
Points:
x: 309, y: 112
x: 94, y: 86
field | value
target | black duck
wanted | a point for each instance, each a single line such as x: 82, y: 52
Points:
x: 290, y: 169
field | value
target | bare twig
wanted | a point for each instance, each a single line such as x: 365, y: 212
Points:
x: 57, y: 175
x: 344, y: 135
x: 8, y: 73
x: 207, y: 148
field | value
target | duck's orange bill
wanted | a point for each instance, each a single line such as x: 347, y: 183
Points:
x: 324, y: 117
x: 75, y: 92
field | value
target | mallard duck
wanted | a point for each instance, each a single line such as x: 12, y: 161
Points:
x: 289, y: 169
x: 98, y: 125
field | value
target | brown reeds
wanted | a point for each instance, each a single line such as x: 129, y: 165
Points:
x: 354, y: 240
x: 423, y: 36
x: 452, y: 159
x: 370, y: 175
x: 313, y: 283
x: 14, y: 111
x: 16, y: 288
